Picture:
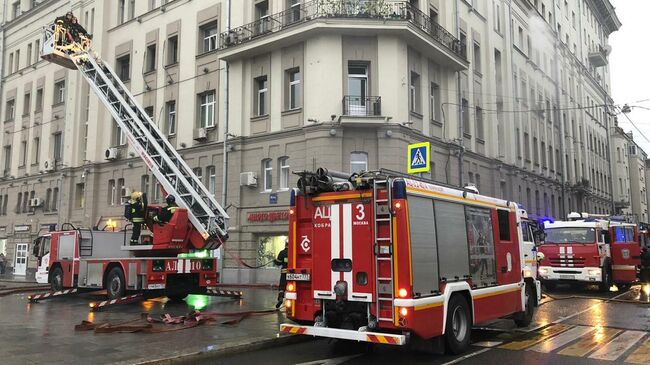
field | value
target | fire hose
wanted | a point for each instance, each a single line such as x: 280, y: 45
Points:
x: 592, y: 298
x: 22, y: 289
x: 242, y: 262
x: 169, y: 323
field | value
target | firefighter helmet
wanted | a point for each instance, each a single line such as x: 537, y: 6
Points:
x: 136, y: 195
x: 170, y: 199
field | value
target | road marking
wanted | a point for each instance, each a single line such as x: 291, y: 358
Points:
x: 601, y: 301
x: 589, y: 343
x: 538, y: 337
x: 561, y: 340
x: 488, y: 343
x: 456, y: 361
x: 333, y: 361
x: 641, y: 355
x: 618, y: 346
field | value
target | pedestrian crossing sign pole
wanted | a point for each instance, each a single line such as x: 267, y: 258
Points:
x: 418, y: 158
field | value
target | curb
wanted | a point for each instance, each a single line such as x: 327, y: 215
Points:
x: 211, y: 352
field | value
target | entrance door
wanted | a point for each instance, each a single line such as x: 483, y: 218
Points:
x: 20, y: 267
x: 357, y: 89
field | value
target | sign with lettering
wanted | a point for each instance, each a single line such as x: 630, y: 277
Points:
x: 270, y: 216
x: 22, y: 228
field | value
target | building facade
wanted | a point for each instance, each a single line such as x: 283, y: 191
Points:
x: 638, y: 189
x: 512, y: 96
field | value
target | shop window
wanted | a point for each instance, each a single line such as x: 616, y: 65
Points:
x: 269, y: 247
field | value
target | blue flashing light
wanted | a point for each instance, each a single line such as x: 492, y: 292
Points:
x: 292, y: 199
x: 545, y: 220
x: 399, y: 189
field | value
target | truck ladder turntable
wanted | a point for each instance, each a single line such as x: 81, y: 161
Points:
x: 209, y: 219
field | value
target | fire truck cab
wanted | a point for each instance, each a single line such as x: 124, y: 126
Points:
x: 588, y: 249
x: 383, y: 257
x: 100, y: 259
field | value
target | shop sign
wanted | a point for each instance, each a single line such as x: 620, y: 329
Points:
x: 22, y: 228
x: 270, y: 216
x: 273, y: 198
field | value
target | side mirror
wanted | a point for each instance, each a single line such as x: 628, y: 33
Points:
x: 37, y: 247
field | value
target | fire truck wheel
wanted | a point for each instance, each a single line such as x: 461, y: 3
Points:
x: 524, y: 318
x: 115, y: 287
x: 606, y: 281
x: 459, y: 325
x: 56, y: 279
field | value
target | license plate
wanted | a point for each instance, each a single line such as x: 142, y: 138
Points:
x: 156, y: 286
x: 298, y: 277
x: 568, y: 277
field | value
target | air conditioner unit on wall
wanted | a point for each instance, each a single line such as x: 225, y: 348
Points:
x: 247, y: 179
x: 111, y: 154
x: 36, y: 202
x: 49, y: 165
x: 200, y: 134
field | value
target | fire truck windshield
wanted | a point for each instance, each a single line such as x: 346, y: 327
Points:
x: 570, y: 235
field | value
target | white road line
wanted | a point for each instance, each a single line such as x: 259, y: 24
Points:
x: 618, y: 346
x: 332, y: 361
x: 561, y: 340
x: 456, y: 361
x: 487, y: 343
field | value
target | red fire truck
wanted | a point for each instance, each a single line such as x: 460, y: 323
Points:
x: 85, y: 258
x: 590, y: 249
x: 382, y: 257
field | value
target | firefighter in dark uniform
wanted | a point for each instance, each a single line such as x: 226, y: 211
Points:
x: 135, y: 213
x: 282, y: 260
x: 168, y: 212
x: 77, y: 30
x: 65, y: 22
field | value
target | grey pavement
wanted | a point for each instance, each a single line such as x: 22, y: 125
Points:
x: 43, y: 333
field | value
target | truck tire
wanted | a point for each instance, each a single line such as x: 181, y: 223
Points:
x: 524, y: 318
x: 115, y: 283
x: 56, y: 279
x: 459, y: 325
x: 606, y: 278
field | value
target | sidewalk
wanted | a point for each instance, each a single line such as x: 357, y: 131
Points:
x: 43, y: 333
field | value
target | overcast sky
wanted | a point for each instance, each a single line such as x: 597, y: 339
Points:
x: 630, y: 65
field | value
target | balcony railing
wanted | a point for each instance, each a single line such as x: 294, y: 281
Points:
x: 383, y: 10
x: 361, y: 106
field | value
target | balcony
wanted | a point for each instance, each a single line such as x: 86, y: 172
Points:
x: 361, y: 106
x: 361, y: 17
x: 598, y: 57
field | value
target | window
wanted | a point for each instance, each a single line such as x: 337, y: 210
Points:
x: 7, y: 162
x: 121, y: 189
x: 124, y: 68
x: 293, y: 89
x: 32, y: 195
x: 267, y: 170
x: 480, y: 239
x: 149, y: 112
x: 171, y: 117
x: 55, y: 199
x: 465, y: 111
x: 262, y: 16
x: 10, y: 64
x: 414, y: 93
x: 434, y: 101
x: 121, y: 11
x: 479, y: 123
x: 15, y: 9
x: 358, y: 162
x: 211, y: 173
x: 199, y: 173
x: 477, y: 57
x: 59, y: 92
x: 207, y: 112
x: 119, y: 137
x: 58, y: 146
x: 294, y: 10
x: 27, y: 104
x: 112, y: 192
x: 144, y: 184
x: 39, y: 101
x: 157, y: 192
x: 36, y: 150
x: 423, y: 246
x: 80, y: 195
x: 23, y: 154
x: 150, y: 63
x: 497, y: 18
x: 172, y: 50
x: 29, y: 55
x: 357, y: 89
x: 37, y: 47
x: 527, y: 146
x: 284, y: 173
x: 209, y: 33
x: 261, y: 94
x: 10, y: 109
x: 18, y: 203
x: 17, y: 64
x: 5, y: 202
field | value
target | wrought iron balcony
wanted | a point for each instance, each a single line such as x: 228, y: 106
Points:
x: 362, y: 106
x: 381, y: 10
x: 598, y: 57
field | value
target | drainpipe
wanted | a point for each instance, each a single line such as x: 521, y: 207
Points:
x: 224, y: 182
x: 461, y: 151
x: 556, y: 77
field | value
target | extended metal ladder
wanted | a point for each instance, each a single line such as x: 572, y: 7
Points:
x: 166, y: 164
x: 383, y: 216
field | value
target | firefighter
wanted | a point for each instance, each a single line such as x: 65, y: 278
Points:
x: 282, y: 260
x: 65, y: 23
x: 168, y: 212
x: 78, y: 31
x: 645, y: 265
x: 135, y: 213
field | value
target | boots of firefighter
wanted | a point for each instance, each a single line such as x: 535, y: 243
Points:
x: 280, y: 300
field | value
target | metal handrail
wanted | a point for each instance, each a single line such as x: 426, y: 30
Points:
x: 361, y: 105
x: 383, y: 10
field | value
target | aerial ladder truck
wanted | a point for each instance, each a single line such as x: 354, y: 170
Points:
x: 85, y: 258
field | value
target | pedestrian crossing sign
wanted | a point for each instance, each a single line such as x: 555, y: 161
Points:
x: 418, y: 157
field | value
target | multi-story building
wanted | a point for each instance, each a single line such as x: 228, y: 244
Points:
x: 511, y: 95
x: 638, y: 189
x: 620, y: 142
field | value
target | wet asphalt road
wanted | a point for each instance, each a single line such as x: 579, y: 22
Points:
x: 572, y: 327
